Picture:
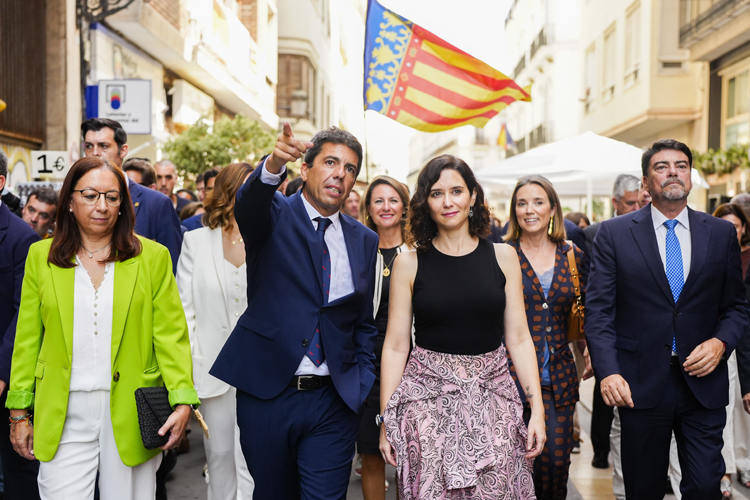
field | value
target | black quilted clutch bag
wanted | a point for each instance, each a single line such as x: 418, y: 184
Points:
x: 153, y: 411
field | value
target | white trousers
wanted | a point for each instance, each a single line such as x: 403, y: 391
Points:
x: 228, y: 476
x: 88, y: 445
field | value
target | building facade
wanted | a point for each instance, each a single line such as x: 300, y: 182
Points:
x: 639, y: 84
x: 716, y: 34
x: 544, y: 41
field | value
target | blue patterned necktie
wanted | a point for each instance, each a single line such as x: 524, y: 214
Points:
x: 675, y: 271
x: 315, y: 351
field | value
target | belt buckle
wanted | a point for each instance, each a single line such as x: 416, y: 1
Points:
x: 300, y: 378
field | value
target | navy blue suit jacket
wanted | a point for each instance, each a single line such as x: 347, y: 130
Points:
x: 156, y: 219
x: 631, y: 316
x: 285, y: 300
x: 194, y: 222
x: 15, y: 238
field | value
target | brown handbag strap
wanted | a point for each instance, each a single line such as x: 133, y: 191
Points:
x: 574, y: 271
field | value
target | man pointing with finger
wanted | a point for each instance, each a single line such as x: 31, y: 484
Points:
x: 663, y: 314
x: 301, y: 354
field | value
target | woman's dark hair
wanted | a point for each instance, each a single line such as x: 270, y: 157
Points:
x: 421, y: 229
x: 190, y: 209
x: 577, y: 217
x: 662, y: 145
x: 192, y: 197
x: 400, y: 189
x: 731, y: 209
x: 220, y: 205
x: 558, y: 226
x: 66, y: 240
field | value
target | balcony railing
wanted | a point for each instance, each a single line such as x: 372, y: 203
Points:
x: 538, y: 136
x: 700, y: 21
x: 519, y: 67
x: 521, y: 145
x: 539, y: 42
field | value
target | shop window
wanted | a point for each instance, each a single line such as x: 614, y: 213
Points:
x: 737, y: 114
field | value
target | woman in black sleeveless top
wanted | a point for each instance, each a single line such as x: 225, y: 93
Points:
x: 384, y: 205
x: 453, y: 420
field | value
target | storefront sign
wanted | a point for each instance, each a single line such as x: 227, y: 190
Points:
x: 127, y: 102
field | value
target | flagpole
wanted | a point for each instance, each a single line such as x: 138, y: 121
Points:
x: 367, y: 147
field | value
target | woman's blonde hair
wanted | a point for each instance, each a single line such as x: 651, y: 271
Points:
x: 219, y: 206
x: 403, y: 194
x: 558, y: 225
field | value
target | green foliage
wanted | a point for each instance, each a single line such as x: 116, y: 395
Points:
x: 597, y: 208
x: 722, y: 161
x: 229, y: 140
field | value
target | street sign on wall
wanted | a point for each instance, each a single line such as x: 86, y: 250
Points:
x: 128, y: 102
x: 49, y: 164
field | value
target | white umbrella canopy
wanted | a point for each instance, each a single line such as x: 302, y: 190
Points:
x: 585, y: 164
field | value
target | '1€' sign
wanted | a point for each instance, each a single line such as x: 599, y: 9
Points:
x: 49, y: 164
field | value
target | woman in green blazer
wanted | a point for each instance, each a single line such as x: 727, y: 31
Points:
x: 100, y: 316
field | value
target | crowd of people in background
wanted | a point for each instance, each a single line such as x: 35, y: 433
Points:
x: 315, y: 322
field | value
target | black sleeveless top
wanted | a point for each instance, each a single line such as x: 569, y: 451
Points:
x: 459, y: 302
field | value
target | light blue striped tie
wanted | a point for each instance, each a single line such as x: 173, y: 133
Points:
x: 675, y: 271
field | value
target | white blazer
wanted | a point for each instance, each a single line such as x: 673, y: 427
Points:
x: 202, y: 280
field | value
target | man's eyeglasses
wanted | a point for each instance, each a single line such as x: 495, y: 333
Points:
x: 91, y: 197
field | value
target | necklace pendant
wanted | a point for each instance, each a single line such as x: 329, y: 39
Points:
x: 386, y: 272
x: 91, y: 256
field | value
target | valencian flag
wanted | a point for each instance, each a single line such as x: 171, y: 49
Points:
x: 504, y: 140
x: 422, y: 81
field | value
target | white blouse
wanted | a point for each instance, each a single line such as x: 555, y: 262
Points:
x: 92, y: 330
x: 236, y: 291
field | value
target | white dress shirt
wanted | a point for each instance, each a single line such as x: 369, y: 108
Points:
x: 342, y: 282
x: 682, y: 231
x: 92, y: 330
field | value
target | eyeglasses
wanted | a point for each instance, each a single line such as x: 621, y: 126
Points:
x: 91, y: 197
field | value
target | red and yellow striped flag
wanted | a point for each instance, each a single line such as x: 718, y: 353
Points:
x: 422, y: 81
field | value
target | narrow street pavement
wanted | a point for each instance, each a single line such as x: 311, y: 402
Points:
x: 186, y: 482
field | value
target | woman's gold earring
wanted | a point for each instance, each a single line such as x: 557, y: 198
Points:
x: 551, y: 225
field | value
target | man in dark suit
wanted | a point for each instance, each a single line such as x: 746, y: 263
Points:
x: 155, y: 217
x: 625, y: 194
x: 662, y: 315
x: 208, y: 180
x: 15, y: 238
x: 301, y: 355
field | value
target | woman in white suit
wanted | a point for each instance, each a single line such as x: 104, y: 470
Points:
x: 212, y: 278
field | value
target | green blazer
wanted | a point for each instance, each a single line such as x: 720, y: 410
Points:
x: 150, y: 346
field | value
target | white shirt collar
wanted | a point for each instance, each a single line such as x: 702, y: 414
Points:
x: 313, y: 213
x: 659, y: 218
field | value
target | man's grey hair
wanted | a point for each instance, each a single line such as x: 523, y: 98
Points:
x: 625, y: 183
x: 743, y: 200
x: 3, y: 166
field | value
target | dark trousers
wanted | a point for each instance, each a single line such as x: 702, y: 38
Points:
x: 298, y: 445
x: 646, y: 435
x: 601, y: 422
x: 552, y: 466
x: 19, y: 474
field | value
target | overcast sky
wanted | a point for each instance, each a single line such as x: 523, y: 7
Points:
x: 476, y: 27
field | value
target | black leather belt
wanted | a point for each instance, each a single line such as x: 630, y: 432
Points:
x: 309, y: 382
x: 675, y: 360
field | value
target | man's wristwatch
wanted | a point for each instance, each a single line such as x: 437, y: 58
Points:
x: 378, y: 420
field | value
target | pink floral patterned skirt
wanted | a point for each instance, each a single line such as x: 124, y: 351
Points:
x: 456, y: 423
